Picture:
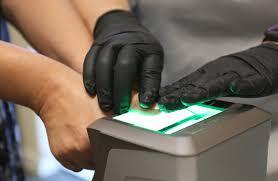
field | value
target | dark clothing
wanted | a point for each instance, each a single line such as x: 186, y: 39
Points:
x: 10, y: 158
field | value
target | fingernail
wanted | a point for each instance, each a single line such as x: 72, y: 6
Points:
x: 191, y: 96
x: 169, y: 105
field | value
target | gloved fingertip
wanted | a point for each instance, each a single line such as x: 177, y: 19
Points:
x: 170, y: 99
x: 106, y: 107
x: 191, y: 96
x: 121, y: 110
x: 105, y: 99
x: 162, y: 100
x: 147, y: 99
x: 144, y: 105
x: 170, y: 107
x: 169, y: 104
x: 124, y: 110
x: 90, y: 87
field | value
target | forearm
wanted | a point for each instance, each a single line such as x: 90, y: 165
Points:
x: 56, y: 94
x: 28, y: 78
x: 54, y: 28
x: 91, y: 10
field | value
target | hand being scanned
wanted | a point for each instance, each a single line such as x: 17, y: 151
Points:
x: 250, y: 73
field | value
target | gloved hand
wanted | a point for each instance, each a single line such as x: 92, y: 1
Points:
x: 250, y: 73
x: 123, y: 51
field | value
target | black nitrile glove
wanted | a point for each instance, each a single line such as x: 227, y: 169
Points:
x: 251, y: 73
x: 123, y: 52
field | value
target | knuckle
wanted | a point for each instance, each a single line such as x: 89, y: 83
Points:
x: 104, y: 62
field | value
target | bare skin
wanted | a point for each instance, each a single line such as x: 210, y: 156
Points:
x: 90, y: 10
x: 56, y: 94
x: 62, y: 29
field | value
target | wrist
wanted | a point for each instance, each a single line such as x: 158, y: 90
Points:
x: 49, y: 88
x: 103, y: 11
x: 53, y: 88
x: 113, y: 18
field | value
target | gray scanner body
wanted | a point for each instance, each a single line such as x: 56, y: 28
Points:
x: 231, y: 146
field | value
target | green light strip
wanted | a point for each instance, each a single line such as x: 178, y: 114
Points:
x: 191, y: 122
x: 194, y: 117
x: 168, y: 123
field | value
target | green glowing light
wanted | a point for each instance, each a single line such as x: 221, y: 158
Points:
x: 168, y: 123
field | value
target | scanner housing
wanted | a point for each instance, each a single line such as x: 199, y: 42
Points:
x: 230, y: 146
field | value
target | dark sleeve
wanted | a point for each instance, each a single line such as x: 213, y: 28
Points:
x: 1, y: 7
x: 271, y: 34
